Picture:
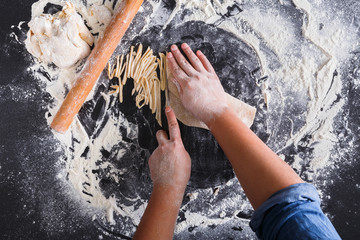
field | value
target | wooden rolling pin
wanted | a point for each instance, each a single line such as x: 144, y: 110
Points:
x: 95, y: 64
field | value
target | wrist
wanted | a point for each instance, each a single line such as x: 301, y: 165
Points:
x: 168, y: 191
x: 218, y: 115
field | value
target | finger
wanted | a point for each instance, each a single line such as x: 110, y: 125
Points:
x: 205, y: 62
x: 174, y: 130
x: 182, y: 62
x: 179, y: 77
x: 161, y: 137
x: 195, y: 61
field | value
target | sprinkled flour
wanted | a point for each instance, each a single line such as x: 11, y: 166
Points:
x: 301, y: 49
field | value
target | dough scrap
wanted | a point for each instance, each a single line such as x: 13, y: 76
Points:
x: 62, y: 38
x: 244, y: 111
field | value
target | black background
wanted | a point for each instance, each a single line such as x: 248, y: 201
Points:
x: 20, y: 200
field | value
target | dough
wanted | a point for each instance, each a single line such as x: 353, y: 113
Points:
x: 101, y: 13
x: 62, y: 38
x: 244, y: 111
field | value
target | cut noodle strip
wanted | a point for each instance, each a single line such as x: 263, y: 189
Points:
x: 142, y: 68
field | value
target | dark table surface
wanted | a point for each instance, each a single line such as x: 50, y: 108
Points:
x: 28, y: 168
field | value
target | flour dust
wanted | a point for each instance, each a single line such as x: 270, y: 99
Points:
x: 301, y: 47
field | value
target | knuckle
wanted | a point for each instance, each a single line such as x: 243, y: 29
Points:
x: 197, y: 77
x: 173, y: 124
x: 162, y: 147
x: 174, y: 143
x: 184, y: 62
x: 177, y: 143
x: 210, y: 75
x: 179, y: 74
x: 177, y: 70
x: 187, y: 83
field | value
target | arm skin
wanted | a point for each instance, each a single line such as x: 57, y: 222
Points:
x: 158, y: 221
x: 260, y: 171
x: 170, y: 167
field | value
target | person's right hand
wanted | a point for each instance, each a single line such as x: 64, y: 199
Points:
x: 200, y: 90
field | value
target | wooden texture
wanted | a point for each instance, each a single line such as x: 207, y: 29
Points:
x: 95, y: 64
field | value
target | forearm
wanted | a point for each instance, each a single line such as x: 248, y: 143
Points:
x: 158, y: 221
x: 260, y: 171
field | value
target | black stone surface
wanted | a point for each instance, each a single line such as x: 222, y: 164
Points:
x: 28, y: 152
x: 210, y: 166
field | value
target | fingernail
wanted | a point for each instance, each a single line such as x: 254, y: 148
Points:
x: 174, y: 47
x: 199, y: 52
x: 185, y: 45
x: 168, y: 109
x: 169, y: 55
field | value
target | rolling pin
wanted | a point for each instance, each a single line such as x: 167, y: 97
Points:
x: 95, y: 64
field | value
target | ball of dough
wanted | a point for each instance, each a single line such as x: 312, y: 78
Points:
x: 62, y: 38
x: 101, y: 13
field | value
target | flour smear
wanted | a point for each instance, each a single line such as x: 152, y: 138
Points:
x: 301, y: 46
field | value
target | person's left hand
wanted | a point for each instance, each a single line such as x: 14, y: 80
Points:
x: 170, y: 163
x: 170, y: 167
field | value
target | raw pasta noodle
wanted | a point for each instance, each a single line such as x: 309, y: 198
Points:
x: 162, y: 68
x: 163, y: 76
x: 126, y: 70
x: 120, y: 92
x: 120, y: 68
x: 142, y: 68
x: 111, y: 71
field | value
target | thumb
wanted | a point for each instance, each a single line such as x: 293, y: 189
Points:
x: 174, y: 86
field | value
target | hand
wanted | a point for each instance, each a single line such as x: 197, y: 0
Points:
x: 170, y: 167
x: 170, y: 164
x: 200, y: 90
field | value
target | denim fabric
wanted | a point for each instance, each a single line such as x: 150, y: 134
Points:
x: 293, y: 213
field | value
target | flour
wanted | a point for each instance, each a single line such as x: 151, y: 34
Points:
x: 307, y: 66
x: 101, y: 13
x: 302, y: 63
x: 62, y: 39
x: 314, y: 72
x: 311, y: 63
x: 80, y: 168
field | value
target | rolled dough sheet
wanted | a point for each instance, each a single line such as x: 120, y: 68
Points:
x: 243, y: 111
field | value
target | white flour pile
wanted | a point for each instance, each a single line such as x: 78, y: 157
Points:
x: 301, y: 54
